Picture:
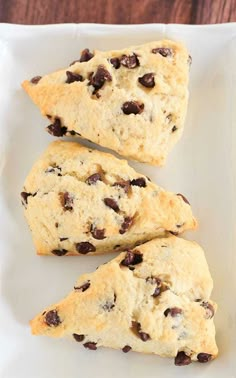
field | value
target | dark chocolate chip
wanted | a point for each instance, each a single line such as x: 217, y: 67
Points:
x: 129, y: 61
x: 158, y: 282
x: 66, y: 201
x: 93, y: 179
x: 98, y: 233
x: 174, y: 128
x: 174, y: 311
x: 117, y: 246
x: 126, y: 348
x: 175, y: 233
x: 90, y: 345
x: 141, y: 182
x: 182, y: 359
x: 63, y: 239
x: 204, y: 357
x: 73, y: 133
x: 147, y: 80
x: 59, y: 252
x: 86, y: 55
x: 85, y: 247
x: 132, y: 258
x: 56, y: 224
x: 123, y: 184
x: 56, y: 129
x: 78, y: 338
x: 44, y: 313
x: 128, y: 221
x: 164, y: 51
x: 132, y: 107
x: 54, y: 169
x: 24, y: 198
x: 184, y: 198
x: 72, y: 77
x: 83, y: 287
x: 99, y: 78
x: 35, y: 79
x: 210, y: 312
x: 52, y: 319
x: 115, y: 62
x: 110, y: 202
x: 136, y: 327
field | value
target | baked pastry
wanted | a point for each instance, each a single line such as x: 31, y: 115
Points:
x: 153, y: 299
x: 132, y: 101
x: 80, y: 201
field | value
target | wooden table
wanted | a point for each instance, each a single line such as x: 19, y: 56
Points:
x: 117, y: 11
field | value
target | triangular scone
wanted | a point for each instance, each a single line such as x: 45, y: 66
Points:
x: 80, y: 201
x: 132, y: 101
x: 153, y: 299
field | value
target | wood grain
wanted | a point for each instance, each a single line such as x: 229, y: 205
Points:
x: 117, y: 11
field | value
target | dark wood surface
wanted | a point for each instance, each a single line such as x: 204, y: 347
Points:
x: 117, y: 11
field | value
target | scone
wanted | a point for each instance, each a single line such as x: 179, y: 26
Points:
x: 80, y: 201
x: 153, y: 299
x: 132, y: 101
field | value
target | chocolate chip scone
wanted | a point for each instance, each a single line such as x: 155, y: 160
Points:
x: 133, y: 100
x: 80, y: 201
x: 153, y: 299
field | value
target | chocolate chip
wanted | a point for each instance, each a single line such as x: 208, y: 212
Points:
x: 56, y: 224
x: 209, y: 309
x: 52, y: 319
x: 108, y: 306
x: 73, y: 133
x: 147, y: 80
x: 72, y: 76
x: 132, y: 258
x: 83, y: 287
x: 115, y: 62
x: 98, y: 233
x: 174, y: 128
x: 93, y: 179
x: 141, y: 182
x: 86, y: 55
x: 117, y: 246
x: 90, y: 345
x: 56, y: 129
x: 59, y: 252
x: 190, y: 60
x: 99, y: 78
x: 129, y: 61
x: 164, y: 51
x: 174, y: 311
x: 184, y: 198
x: 126, y: 348
x: 110, y: 202
x: 128, y: 221
x: 182, y: 359
x: 136, y: 327
x: 66, y: 201
x: 155, y: 281
x: 123, y: 184
x: 63, y: 239
x: 35, y: 79
x: 54, y: 169
x: 175, y: 233
x: 85, y: 247
x: 78, y: 338
x: 132, y: 107
x: 204, y: 357
x: 24, y: 197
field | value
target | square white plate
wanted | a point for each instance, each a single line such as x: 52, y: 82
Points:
x: 201, y: 166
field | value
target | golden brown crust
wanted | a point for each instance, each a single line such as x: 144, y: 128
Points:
x: 104, y: 304
x: 146, y: 137
x: 119, y: 210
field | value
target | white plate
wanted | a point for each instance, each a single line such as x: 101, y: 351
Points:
x: 202, y: 166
